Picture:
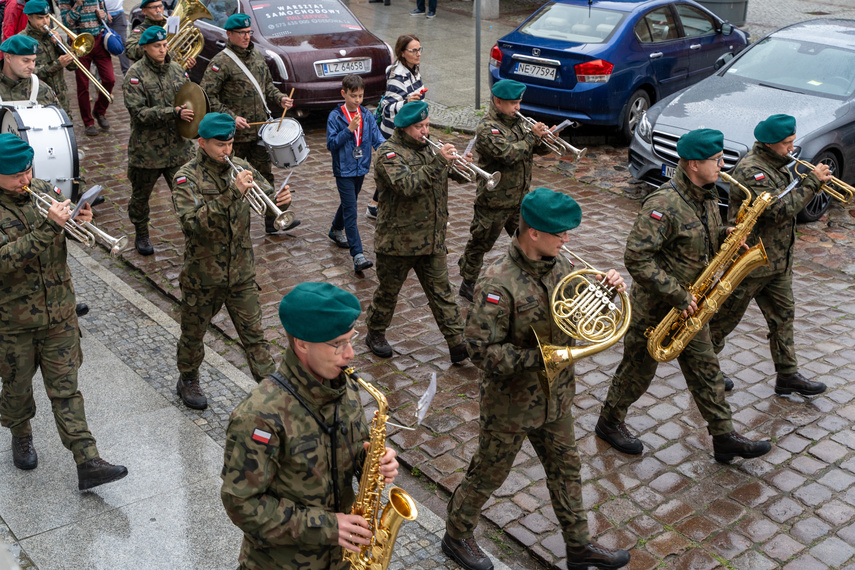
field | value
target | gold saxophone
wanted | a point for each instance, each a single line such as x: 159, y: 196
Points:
x: 384, y: 523
x: 715, y: 283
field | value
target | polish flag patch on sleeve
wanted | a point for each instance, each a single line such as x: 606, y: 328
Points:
x: 134, y: 80
x: 57, y: 190
x: 759, y: 176
x: 656, y: 215
x: 215, y: 67
x: 494, y: 131
x: 391, y: 155
x: 493, y: 298
x: 261, y: 436
x: 181, y: 180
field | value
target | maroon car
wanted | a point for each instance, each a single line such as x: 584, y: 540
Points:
x: 308, y: 46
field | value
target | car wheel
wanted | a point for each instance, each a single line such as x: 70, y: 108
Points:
x: 635, y: 108
x: 820, y: 203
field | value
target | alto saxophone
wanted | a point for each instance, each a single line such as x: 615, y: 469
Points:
x: 715, y: 283
x: 383, y: 522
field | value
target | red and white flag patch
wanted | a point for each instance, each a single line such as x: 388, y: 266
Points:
x: 493, y: 298
x: 137, y: 31
x: 759, y: 176
x: 57, y: 190
x: 261, y: 436
x: 181, y: 180
x: 215, y: 67
x: 494, y: 131
x: 391, y: 155
x: 656, y: 215
x: 134, y: 80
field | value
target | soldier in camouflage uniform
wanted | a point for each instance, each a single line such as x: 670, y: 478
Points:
x: 232, y: 92
x: 503, y: 145
x: 512, y: 304
x: 295, y: 444
x: 155, y: 148
x: 154, y: 16
x: 677, y: 231
x: 51, y: 61
x: 764, y: 169
x: 17, y: 79
x: 219, y: 266
x: 412, y: 183
x: 38, y: 325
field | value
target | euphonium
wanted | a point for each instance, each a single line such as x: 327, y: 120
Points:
x: 383, y: 524
x: 715, y: 283
x: 188, y: 42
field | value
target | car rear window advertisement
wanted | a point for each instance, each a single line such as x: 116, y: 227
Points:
x: 278, y: 19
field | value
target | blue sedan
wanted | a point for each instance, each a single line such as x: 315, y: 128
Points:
x: 603, y: 62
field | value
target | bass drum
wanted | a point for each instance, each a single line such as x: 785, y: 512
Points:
x: 50, y: 133
x: 286, y: 146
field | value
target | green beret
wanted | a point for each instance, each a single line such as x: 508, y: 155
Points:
x: 700, y: 144
x: 550, y: 212
x: 37, y: 7
x: 411, y: 113
x: 775, y: 129
x: 318, y: 312
x: 17, y: 155
x: 508, y: 89
x: 238, y: 22
x: 152, y: 34
x: 145, y: 3
x: 218, y: 126
x: 20, y: 45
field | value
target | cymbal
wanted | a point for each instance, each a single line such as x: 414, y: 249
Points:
x: 194, y: 98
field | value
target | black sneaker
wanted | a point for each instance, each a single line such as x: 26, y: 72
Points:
x: 466, y: 552
x: 339, y: 238
x: 378, y: 344
x: 413, y: 13
x: 618, y: 436
x: 98, y: 472
x: 24, y: 452
x: 431, y: 15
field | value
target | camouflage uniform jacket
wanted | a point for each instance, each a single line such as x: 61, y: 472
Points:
x: 35, y: 282
x: 132, y: 46
x: 214, y: 217
x: 412, y: 189
x: 48, y: 67
x: 512, y: 296
x: 504, y: 146
x: 280, y: 492
x: 230, y: 91
x: 763, y: 170
x: 677, y: 232
x: 150, y: 89
x: 20, y: 90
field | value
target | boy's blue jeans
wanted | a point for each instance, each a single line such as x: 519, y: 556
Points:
x: 345, y: 216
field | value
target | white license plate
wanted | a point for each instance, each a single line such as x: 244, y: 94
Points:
x: 535, y: 71
x: 668, y: 171
x: 345, y: 67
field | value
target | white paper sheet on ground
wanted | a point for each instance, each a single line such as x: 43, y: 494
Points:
x: 426, y: 399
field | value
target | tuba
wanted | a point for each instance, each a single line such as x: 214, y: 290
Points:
x: 188, y: 42
x: 584, y: 310
x: 384, y: 524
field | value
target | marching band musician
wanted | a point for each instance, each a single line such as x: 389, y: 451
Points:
x: 412, y: 184
x: 154, y: 16
x: 503, y: 145
x: 764, y: 169
x: 155, y: 147
x: 232, y: 91
x: 512, y: 298
x: 38, y: 324
x: 295, y: 444
x: 51, y: 61
x: 219, y: 266
x: 677, y: 231
x: 17, y: 82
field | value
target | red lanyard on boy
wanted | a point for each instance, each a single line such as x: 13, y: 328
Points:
x: 358, y: 132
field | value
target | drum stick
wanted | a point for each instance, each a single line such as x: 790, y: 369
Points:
x: 261, y: 123
x: 285, y: 110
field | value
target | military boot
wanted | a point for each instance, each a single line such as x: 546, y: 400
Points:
x: 593, y: 554
x: 466, y: 552
x: 190, y: 392
x: 458, y: 353
x: 378, y: 344
x: 728, y: 383
x: 618, y: 436
x: 81, y: 309
x: 789, y: 383
x: 467, y: 290
x: 141, y: 243
x: 24, y: 453
x: 98, y: 472
x: 730, y: 445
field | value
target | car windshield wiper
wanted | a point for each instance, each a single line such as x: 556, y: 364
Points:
x: 778, y: 87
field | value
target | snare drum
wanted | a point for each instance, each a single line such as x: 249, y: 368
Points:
x: 286, y: 146
x: 50, y: 133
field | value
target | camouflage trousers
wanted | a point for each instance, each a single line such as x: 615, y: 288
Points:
x: 56, y: 350
x: 432, y: 272
x: 636, y: 370
x: 555, y: 444
x: 774, y: 296
x: 142, y: 183
x: 487, y: 226
x: 198, y: 307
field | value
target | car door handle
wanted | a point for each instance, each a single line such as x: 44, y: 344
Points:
x: 656, y: 55
x: 221, y: 43
x: 695, y: 46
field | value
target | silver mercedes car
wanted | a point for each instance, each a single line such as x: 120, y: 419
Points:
x: 806, y: 70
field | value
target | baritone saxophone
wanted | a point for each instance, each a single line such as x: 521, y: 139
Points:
x: 384, y: 522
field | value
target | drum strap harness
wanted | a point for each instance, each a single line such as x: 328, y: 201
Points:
x: 34, y: 91
x: 249, y: 76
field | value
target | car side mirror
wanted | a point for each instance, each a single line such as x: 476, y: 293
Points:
x: 726, y: 29
x: 722, y: 60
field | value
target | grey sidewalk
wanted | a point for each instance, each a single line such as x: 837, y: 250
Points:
x: 167, y: 513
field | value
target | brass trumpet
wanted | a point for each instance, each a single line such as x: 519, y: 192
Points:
x: 836, y: 188
x: 552, y: 141
x: 466, y: 169
x: 84, y: 232
x: 81, y: 44
x: 259, y: 201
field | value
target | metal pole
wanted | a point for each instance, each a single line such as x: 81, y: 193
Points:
x: 477, y: 54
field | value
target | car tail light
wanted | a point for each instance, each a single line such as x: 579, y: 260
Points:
x: 280, y: 65
x: 495, y: 56
x: 597, y: 71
